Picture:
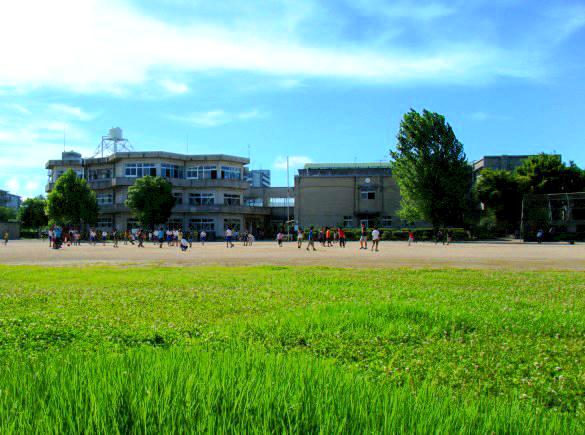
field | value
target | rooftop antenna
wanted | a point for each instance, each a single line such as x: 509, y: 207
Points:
x: 112, y: 143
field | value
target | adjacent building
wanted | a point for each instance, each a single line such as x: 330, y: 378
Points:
x: 346, y: 194
x: 258, y: 177
x: 209, y: 189
x: 9, y: 200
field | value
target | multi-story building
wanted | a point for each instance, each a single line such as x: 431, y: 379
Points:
x: 258, y: 177
x: 9, y: 200
x: 346, y: 195
x: 209, y: 189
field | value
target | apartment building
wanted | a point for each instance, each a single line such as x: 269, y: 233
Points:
x: 209, y: 189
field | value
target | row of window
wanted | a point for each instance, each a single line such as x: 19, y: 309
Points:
x: 201, y: 172
x: 384, y: 222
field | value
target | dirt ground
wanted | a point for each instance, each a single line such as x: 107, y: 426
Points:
x: 494, y: 255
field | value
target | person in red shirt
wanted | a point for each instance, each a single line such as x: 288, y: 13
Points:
x: 341, y: 234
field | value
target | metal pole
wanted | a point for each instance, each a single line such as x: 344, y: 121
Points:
x: 287, y: 200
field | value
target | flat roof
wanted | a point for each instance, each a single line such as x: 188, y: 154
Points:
x: 375, y: 165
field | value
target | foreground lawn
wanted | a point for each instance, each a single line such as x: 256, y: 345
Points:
x: 304, y: 349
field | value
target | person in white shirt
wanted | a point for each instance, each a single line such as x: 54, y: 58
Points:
x: 228, y: 238
x: 375, y: 239
x: 203, y: 237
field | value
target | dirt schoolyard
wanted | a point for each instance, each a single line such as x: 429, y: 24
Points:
x: 496, y: 255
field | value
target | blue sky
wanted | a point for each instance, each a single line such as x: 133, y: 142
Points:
x: 317, y: 80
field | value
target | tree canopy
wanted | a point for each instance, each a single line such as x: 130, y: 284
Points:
x: 151, y: 200
x: 431, y: 169
x: 7, y: 214
x: 72, y: 202
x: 32, y: 213
x: 546, y: 173
x: 501, y: 194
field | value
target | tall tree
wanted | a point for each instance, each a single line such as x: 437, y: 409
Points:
x: 151, y: 200
x: 32, y: 213
x: 501, y: 195
x: 72, y: 202
x: 546, y: 173
x: 431, y: 169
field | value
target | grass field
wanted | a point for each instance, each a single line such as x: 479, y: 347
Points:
x: 296, y: 349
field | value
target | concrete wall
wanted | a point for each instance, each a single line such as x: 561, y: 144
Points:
x: 13, y: 229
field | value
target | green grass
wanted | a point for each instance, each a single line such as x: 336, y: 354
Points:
x: 290, y: 349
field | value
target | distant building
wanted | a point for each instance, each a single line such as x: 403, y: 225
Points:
x: 346, y: 194
x: 9, y: 200
x: 258, y: 177
x: 503, y: 162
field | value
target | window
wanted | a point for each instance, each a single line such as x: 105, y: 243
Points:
x: 231, y: 173
x: 192, y: 173
x: 171, y: 171
x: 200, y: 224
x: 234, y: 224
x: 178, y: 198
x: 365, y: 222
x: 104, y: 222
x: 201, y: 199
x: 105, y: 198
x: 231, y: 199
x: 348, y: 221
x: 367, y: 193
x: 132, y: 224
x: 281, y: 202
x: 255, y: 202
x: 100, y: 174
x: 386, y: 221
x: 139, y: 170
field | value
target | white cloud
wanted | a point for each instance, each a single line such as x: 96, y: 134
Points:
x: 23, y: 110
x: 105, y: 45
x: 294, y: 162
x: 173, y: 87
x: 215, y: 118
x: 71, y: 111
x: 479, y: 116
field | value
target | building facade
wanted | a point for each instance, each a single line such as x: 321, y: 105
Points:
x: 346, y: 195
x: 209, y: 189
x: 9, y: 200
x: 258, y: 177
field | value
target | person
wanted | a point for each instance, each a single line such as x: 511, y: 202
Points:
x: 202, y: 237
x: 161, y: 237
x: 300, y: 235
x: 184, y: 243
x: 250, y: 239
x: 375, y: 239
x: 115, y: 237
x: 179, y: 238
x: 449, y: 237
x: 410, y: 237
x: 50, y: 235
x: 440, y: 237
x: 132, y: 236
x: 91, y: 237
x: 104, y: 237
x: 539, y: 236
x: 311, y: 239
x: 141, y: 235
x: 279, y: 239
x: 57, y: 237
x: 228, y: 238
x: 364, y: 237
x: 328, y: 236
x: 341, y: 235
x: 6, y: 235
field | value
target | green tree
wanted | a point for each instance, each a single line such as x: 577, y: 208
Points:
x: 151, y: 200
x: 546, y: 173
x: 431, y: 169
x: 32, y: 213
x: 71, y: 201
x: 501, y: 194
x: 7, y: 214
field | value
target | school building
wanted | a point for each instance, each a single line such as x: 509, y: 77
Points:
x: 214, y: 192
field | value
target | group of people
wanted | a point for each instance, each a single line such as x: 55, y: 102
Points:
x: 327, y: 237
